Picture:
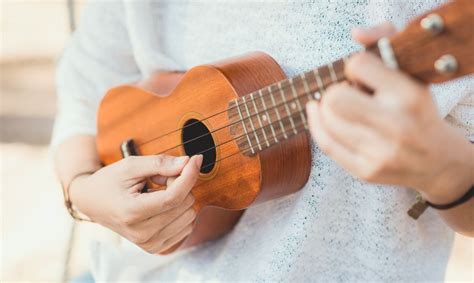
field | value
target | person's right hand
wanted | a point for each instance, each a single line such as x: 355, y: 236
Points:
x: 155, y: 221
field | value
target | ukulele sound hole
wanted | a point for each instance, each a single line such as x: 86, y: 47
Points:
x: 198, y: 140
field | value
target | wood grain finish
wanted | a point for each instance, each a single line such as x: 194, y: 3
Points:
x: 238, y: 181
x: 136, y: 112
x: 416, y: 49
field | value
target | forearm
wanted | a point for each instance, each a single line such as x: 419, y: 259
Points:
x: 76, y: 156
x: 451, y: 186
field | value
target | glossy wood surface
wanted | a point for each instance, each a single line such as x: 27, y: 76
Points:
x: 417, y: 49
x: 136, y: 112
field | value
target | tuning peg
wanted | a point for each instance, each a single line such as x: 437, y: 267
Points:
x: 446, y: 64
x: 433, y: 23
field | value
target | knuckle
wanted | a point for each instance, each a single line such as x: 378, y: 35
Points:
x: 413, y: 104
x: 391, y: 156
x: 149, y: 247
x: 128, y: 163
x: 191, y: 214
x: 355, y: 61
x: 172, y: 201
x: 139, y: 238
x: 158, y: 161
x: 402, y: 134
x: 329, y: 104
x: 325, y: 145
x: 370, y: 174
x: 129, y: 217
x: 189, y: 200
x: 335, y: 94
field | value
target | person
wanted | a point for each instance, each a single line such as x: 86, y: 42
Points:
x: 372, y: 153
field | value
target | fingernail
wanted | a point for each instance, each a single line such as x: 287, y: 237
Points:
x: 199, y: 161
x: 180, y: 160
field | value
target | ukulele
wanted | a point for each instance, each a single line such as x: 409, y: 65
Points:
x: 248, y: 120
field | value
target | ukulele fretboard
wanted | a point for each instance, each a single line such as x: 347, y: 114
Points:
x: 277, y: 112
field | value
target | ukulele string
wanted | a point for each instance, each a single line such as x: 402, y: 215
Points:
x: 241, y: 151
x: 243, y: 135
x: 284, y: 88
x: 242, y: 120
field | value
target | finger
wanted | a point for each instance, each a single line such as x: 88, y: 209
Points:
x: 170, y: 181
x: 159, y: 180
x: 157, y: 222
x: 177, y: 238
x: 328, y: 145
x: 162, y: 180
x: 138, y: 167
x: 367, y: 69
x: 368, y: 36
x: 158, y: 239
x: 178, y: 224
x: 156, y: 202
x: 180, y: 187
x: 346, y: 129
x: 355, y: 106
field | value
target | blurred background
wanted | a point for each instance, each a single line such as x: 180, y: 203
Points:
x: 38, y: 239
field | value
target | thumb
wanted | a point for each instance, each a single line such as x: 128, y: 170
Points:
x: 368, y: 36
x: 138, y: 167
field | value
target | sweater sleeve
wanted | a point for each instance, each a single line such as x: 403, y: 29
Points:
x: 455, y: 101
x: 98, y: 57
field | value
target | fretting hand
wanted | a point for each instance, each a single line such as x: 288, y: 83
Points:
x: 394, y: 135
x: 155, y: 221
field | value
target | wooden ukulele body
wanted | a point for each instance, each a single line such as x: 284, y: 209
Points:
x: 152, y: 111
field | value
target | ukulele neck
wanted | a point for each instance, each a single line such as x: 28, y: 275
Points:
x: 277, y: 112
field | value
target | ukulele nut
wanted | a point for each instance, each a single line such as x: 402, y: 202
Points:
x: 433, y: 23
x: 446, y: 64
x: 387, y: 54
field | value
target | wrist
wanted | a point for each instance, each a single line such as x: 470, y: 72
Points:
x: 455, y: 180
x: 76, y: 187
x: 72, y: 196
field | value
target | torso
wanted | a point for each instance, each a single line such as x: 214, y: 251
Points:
x: 336, y: 228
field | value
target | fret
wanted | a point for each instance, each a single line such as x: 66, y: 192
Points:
x: 306, y: 87
x: 285, y: 102
x: 259, y: 120
x: 275, y: 107
x: 319, y: 81
x: 339, y: 68
x: 325, y: 75
x: 244, y: 126
x: 268, y: 115
x: 251, y: 124
x: 332, y: 72
x: 295, y: 95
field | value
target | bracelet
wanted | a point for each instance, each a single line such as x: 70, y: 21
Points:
x: 467, y: 196
x: 421, y: 205
x: 74, y: 212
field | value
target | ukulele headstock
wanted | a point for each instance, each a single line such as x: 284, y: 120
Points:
x: 435, y: 47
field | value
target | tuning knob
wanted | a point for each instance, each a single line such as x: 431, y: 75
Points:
x: 433, y: 23
x: 446, y: 64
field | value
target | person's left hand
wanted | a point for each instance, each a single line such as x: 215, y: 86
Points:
x: 393, y: 135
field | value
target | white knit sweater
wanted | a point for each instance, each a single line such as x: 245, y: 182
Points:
x: 336, y: 228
